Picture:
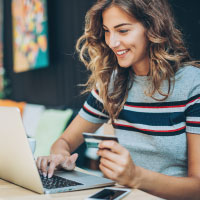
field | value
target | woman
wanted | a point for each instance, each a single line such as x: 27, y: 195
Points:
x: 144, y: 80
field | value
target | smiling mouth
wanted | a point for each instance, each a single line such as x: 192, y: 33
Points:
x: 120, y: 53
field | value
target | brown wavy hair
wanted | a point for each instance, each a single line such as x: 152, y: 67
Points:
x: 167, y: 52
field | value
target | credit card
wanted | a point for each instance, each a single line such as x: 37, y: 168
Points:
x: 92, y: 140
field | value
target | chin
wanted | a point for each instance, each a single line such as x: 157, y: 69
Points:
x: 124, y: 66
x: 124, y: 63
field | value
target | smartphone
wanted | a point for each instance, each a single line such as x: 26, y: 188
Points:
x: 110, y: 193
x: 92, y: 140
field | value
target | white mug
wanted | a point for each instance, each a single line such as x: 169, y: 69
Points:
x: 32, y: 143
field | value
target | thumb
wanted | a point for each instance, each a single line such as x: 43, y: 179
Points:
x: 69, y: 163
x: 73, y: 157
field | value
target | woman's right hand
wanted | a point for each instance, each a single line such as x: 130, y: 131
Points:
x: 48, y: 164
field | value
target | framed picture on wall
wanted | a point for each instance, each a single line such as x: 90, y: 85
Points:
x: 30, y: 34
x: 1, y: 48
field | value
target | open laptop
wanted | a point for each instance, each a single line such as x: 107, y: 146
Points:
x: 17, y: 164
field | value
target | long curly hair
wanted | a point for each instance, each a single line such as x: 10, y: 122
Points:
x: 167, y: 52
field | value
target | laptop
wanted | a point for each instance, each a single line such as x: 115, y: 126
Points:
x: 17, y: 164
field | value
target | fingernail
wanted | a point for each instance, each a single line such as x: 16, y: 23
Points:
x: 44, y: 174
x: 49, y: 175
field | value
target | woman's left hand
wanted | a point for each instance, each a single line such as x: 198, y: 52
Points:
x: 116, y: 164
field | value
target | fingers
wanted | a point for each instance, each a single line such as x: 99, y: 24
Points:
x: 113, y: 151
x: 108, y: 173
x: 42, y: 163
x: 69, y: 163
x: 112, y: 145
x: 54, y: 161
x: 48, y: 164
x: 105, y: 153
x: 38, y: 161
x: 74, y: 157
x: 110, y: 165
x: 115, y: 160
x: 51, y: 169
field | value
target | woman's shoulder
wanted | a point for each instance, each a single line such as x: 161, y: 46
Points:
x: 188, y: 79
x: 188, y: 73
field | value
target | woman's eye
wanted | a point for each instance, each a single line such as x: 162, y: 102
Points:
x: 123, y: 31
x: 106, y: 31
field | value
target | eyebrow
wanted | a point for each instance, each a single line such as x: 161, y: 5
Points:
x: 119, y: 25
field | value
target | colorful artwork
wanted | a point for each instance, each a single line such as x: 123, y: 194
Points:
x: 1, y: 48
x: 30, y: 46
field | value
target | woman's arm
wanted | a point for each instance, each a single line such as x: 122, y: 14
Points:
x: 72, y: 136
x: 63, y: 147
x: 117, y: 165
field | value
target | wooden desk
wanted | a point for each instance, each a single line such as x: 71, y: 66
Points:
x: 10, y: 191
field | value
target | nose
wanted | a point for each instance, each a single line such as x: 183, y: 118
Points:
x: 114, y: 41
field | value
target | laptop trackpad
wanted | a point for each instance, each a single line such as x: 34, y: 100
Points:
x: 80, y: 177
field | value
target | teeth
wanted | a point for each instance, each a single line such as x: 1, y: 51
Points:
x: 121, y: 52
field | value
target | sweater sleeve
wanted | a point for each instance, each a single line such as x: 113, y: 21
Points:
x: 93, y: 109
x: 193, y: 107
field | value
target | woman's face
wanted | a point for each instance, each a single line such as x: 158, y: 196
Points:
x: 126, y: 37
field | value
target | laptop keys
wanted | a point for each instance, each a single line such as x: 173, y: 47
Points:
x: 57, y: 182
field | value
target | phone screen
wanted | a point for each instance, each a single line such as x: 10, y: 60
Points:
x: 108, y: 194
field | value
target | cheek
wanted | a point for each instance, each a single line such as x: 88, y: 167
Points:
x: 144, y: 40
x: 144, y: 44
x: 140, y: 43
x: 130, y: 40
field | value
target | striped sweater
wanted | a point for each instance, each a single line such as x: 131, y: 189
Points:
x: 153, y: 131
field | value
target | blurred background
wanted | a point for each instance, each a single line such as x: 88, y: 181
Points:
x: 55, y: 81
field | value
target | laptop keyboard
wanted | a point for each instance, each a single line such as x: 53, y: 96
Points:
x: 57, y: 182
